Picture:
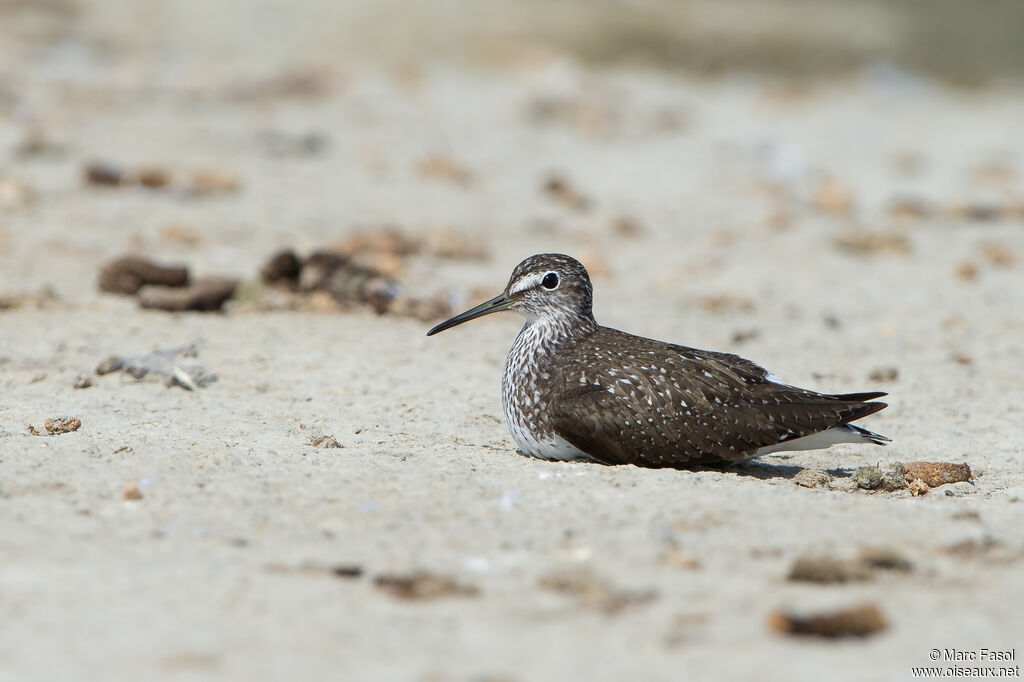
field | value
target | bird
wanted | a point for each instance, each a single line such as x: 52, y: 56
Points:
x: 575, y: 390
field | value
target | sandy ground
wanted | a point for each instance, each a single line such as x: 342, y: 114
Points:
x: 764, y: 226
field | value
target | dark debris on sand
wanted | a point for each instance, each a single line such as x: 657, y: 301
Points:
x: 348, y: 282
x: 858, y: 621
x: 165, y: 287
x: 423, y: 585
x: 862, y: 567
x: 168, y: 365
x: 361, y: 271
x: 56, y: 426
x: 593, y: 592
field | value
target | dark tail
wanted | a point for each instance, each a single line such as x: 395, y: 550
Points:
x: 876, y: 438
x: 859, y: 397
x: 859, y: 408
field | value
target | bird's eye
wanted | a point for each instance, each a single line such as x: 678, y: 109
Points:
x: 550, y: 281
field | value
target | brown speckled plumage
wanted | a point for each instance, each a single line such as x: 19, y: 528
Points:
x: 573, y: 389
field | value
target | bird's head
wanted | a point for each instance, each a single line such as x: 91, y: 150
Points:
x: 548, y: 287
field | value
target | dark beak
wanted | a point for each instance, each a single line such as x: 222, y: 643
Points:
x: 495, y: 305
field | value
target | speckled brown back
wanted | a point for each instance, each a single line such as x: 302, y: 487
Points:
x: 625, y: 399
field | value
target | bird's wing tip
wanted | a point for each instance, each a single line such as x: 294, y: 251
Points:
x: 876, y: 438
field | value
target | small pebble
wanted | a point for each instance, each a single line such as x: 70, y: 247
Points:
x: 723, y: 304
x: 868, y: 478
x: 591, y: 591
x: 959, y: 489
x: 60, y: 425
x: 212, y: 182
x: 884, y: 374
x: 204, y: 295
x: 813, y: 478
x: 967, y: 271
x: 103, y: 174
x: 1000, y: 255
x: 976, y: 211
x: 626, y: 226
x: 858, y: 621
x: 885, y: 559
x: 324, y: 441
x: 422, y: 585
x: 111, y: 364
x: 563, y: 192
x: 283, y: 267
x: 918, y: 487
x: 347, y: 571
x: 833, y: 197
x: 153, y: 178
x: 128, y: 274
x: 744, y: 335
x: 870, y: 243
x: 828, y: 570
x: 895, y: 478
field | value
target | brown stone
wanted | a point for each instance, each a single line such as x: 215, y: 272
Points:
x: 60, y: 425
x: 128, y: 274
x: 858, y: 621
x: 934, y: 474
x: 205, y: 295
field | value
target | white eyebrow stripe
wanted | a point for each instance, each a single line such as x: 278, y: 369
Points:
x: 527, y: 283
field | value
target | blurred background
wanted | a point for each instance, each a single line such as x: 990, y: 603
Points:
x: 833, y: 188
x: 963, y: 42
x: 296, y: 124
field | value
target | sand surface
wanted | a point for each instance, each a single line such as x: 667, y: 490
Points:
x: 760, y: 221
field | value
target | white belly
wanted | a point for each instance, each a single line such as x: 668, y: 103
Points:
x: 555, y: 447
